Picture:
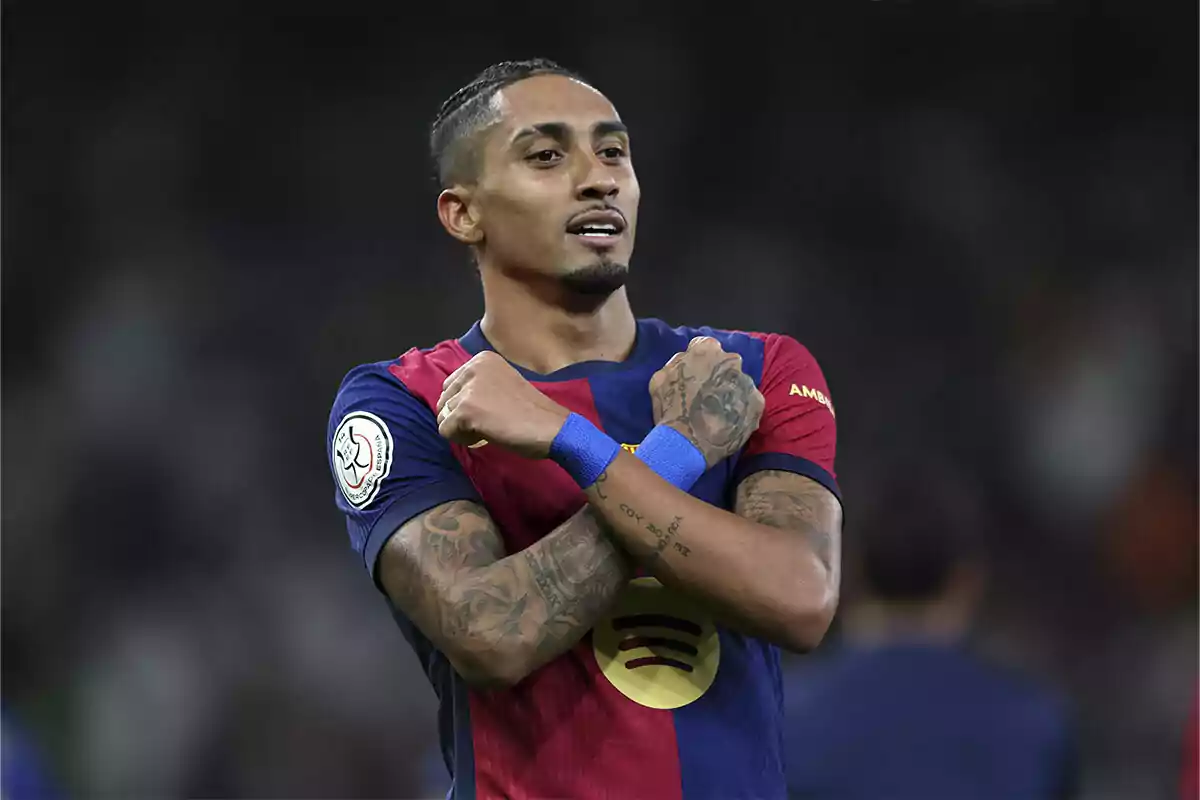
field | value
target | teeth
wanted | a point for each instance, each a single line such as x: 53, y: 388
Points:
x: 598, y: 230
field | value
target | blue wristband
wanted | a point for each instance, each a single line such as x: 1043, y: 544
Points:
x: 583, y: 450
x: 672, y: 456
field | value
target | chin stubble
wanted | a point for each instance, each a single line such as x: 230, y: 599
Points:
x: 599, y: 279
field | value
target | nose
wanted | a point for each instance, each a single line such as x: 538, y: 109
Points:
x: 598, y: 183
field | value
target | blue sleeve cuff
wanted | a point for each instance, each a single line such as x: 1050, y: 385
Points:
x: 403, y: 510
x: 786, y: 463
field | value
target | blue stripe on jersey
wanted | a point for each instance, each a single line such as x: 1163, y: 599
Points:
x: 738, y: 723
x: 730, y: 740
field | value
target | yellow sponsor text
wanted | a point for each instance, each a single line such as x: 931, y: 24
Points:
x: 814, y: 394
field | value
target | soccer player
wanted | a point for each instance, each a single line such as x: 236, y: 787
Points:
x: 596, y: 531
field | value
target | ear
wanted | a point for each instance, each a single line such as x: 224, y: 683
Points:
x: 459, y: 215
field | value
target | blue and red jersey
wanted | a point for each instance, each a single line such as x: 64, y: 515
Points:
x: 616, y: 716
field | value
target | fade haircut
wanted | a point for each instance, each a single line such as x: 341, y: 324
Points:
x: 469, y: 111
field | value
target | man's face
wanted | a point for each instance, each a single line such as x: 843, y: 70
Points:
x: 557, y: 195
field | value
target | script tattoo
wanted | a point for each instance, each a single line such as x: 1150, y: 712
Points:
x: 792, y: 502
x: 667, y: 538
x: 599, y: 485
x: 447, y: 571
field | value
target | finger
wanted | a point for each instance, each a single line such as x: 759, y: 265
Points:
x: 453, y: 387
x: 701, y: 341
x: 454, y: 429
x: 675, y: 359
x: 453, y: 375
x: 443, y: 413
x: 445, y: 424
x: 449, y: 425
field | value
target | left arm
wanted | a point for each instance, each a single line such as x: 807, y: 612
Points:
x: 772, y: 568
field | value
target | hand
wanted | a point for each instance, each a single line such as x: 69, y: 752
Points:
x: 703, y: 394
x: 486, y: 400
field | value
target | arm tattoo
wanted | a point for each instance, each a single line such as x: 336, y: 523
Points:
x: 577, y: 572
x: 447, y: 571
x: 792, y: 502
x: 665, y: 538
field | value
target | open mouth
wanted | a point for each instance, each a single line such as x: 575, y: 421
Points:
x: 597, y: 227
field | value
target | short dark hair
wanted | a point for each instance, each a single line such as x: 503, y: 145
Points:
x: 468, y: 111
x: 912, y: 540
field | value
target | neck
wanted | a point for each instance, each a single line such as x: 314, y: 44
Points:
x: 546, y: 331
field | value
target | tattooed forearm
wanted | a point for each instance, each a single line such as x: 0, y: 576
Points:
x: 774, y: 575
x: 448, y: 573
x: 667, y: 539
x: 784, y: 500
x: 577, y: 572
x: 664, y: 537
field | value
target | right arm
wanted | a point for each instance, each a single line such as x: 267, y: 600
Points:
x: 498, y: 618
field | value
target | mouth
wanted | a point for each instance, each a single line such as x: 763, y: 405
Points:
x: 598, y: 229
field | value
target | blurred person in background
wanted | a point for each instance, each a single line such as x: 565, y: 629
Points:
x: 596, y: 531
x: 905, y: 707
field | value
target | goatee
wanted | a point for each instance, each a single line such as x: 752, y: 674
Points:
x: 597, y: 280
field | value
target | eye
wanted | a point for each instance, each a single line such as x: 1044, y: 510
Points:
x: 544, y: 157
x: 613, y: 151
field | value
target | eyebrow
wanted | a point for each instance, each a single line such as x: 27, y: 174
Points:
x: 560, y: 131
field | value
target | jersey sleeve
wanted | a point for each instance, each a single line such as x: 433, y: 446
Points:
x: 388, y: 461
x: 798, y: 430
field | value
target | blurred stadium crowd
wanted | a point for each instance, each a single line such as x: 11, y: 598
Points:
x: 982, y: 222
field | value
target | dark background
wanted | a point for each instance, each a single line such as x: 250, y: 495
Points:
x: 980, y: 217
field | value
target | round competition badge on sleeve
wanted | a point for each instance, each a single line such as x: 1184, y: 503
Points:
x: 362, y: 456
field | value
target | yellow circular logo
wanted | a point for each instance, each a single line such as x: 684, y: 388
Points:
x: 655, y: 649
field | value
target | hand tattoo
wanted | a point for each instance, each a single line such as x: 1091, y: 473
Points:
x: 719, y: 410
x: 716, y: 410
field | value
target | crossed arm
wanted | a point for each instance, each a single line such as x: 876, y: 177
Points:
x: 499, y: 617
x: 771, y: 569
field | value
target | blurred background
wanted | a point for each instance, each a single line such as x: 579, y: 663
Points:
x: 980, y: 217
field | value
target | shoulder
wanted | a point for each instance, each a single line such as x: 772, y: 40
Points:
x: 418, y: 374
x: 396, y: 398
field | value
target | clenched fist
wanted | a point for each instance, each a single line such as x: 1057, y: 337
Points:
x: 486, y: 400
x: 703, y: 393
